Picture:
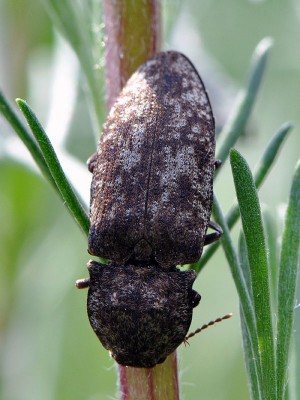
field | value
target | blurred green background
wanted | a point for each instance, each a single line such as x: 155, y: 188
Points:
x: 48, y: 350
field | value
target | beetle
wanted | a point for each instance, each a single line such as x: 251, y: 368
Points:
x: 151, y: 201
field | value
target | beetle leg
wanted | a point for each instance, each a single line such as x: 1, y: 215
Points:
x: 91, y: 162
x: 213, y: 237
x: 82, y: 283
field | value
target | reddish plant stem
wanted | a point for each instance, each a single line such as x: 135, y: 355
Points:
x: 133, y: 34
x: 159, y: 383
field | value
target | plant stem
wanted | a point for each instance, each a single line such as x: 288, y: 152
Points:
x: 133, y: 34
x: 159, y: 383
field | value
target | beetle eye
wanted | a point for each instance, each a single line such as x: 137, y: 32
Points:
x: 196, y: 299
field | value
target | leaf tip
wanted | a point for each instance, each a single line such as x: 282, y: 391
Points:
x: 20, y: 103
x: 264, y: 46
x: 288, y: 125
x: 233, y: 154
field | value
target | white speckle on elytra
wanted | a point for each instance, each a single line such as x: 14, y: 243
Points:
x: 165, y: 196
x: 130, y: 158
x: 119, y: 180
x: 203, y: 99
x: 176, y: 135
x: 177, y: 107
x: 154, y: 207
x: 185, y: 82
x: 183, y: 121
x: 188, y: 96
x: 168, y: 101
x: 190, y: 150
x: 205, y: 113
x: 151, y: 63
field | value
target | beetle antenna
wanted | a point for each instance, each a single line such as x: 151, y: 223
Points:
x: 205, y: 326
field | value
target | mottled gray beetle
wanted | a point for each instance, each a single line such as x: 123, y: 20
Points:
x: 151, y: 201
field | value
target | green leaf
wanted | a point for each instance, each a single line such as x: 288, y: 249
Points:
x: 272, y: 245
x: 236, y: 123
x: 243, y: 254
x: 250, y: 353
x: 296, y: 346
x: 258, y: 263
x: 26, y: 138
x: 245, y: 295
x: 65, y: 190
x: 251, y: 362
x: 231, y: 255
x: 289, y: 262
x: 263, y: 166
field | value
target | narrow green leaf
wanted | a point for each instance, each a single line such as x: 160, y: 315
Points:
x: 250, y: 360
x: 264, y: 165
x: 250, y: 353
x: 288, y: 269
x: 68, y: 195
x: 263, y: 168
x: 296, y: 346
x: 257, y: 255
x: 271, y: 238
x: 231, y: 255
x: 244, y: 259
x: 236, y: 123
x: 241, y: 286
x: 26, y: 138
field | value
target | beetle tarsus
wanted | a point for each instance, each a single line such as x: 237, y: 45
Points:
x: 82, y: 283
x: 91, y: 162
x: 218, y: 164
x: 213, y: 237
